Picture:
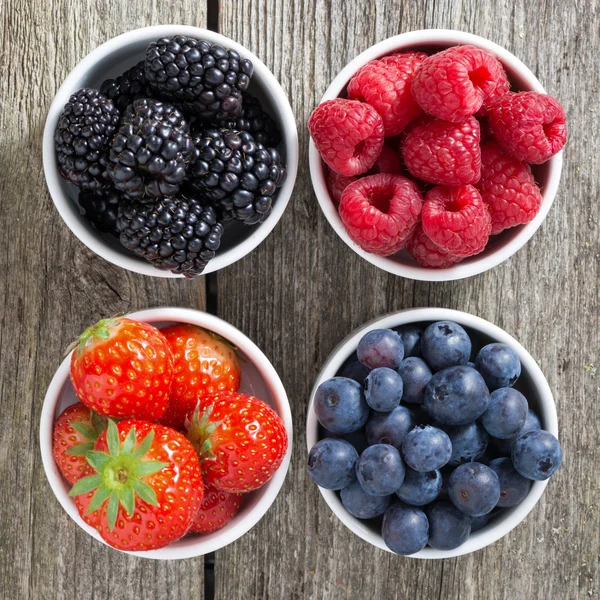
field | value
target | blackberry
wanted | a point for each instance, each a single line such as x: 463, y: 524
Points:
x: 205, y: 78
x: 150, y: 152
x: 256, y: 121
x: 173, y: 234
x: 82, y: 138
x: 101, y: 208
x: 127, y: 87
x: 238, y: 175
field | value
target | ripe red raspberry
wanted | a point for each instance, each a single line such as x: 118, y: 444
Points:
x: 348, y: 134
x: 426, y: 253
x: 454, y: 84
x: 456, y: 220
x: 385, y: 85
x: 336, y: 184
x: 530, y: 126
x: 508, y: 188
x: 444, y: 153
x: 380, y: 212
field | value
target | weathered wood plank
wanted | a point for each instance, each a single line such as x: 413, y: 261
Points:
x: 51, y: 287
x: 312, y: 290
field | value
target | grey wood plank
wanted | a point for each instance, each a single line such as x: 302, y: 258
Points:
x: 51, y: 288
x: 312, y: 291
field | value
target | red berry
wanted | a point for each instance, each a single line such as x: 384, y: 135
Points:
x: 385, y: 84
x: 336, y: 184
x: 387, y: 162
x: 348, y: 134
x: 454, y: 84
x: 456, y: 220
x: 444, y: 153
x: 380, y: 212
x: 508, y: 188
x: 530, y: 126
x: 123, y: 369
x: 216, y: 510
x: 426, y: 253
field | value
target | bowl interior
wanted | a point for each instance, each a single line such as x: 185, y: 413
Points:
x: 501, y: 246
x: 531, y: 384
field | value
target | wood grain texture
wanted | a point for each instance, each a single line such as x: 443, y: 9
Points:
x: 312, y: 290
x: 51, y: 288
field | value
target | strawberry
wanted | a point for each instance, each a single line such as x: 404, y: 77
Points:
x: 142, y: 487
x: 75, y: 431
x: 216, y: 510
x: 205, y: 364
x: 240, y: 439
x: 124, y: 369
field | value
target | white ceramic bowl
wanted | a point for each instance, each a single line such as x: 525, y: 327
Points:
x: 501, y: 247
x: 259, y: 378
x: 110, y: 60
x: 532, y: 384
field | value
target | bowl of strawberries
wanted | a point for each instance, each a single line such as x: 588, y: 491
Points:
x: 436, y: 154
x: 166, y: 433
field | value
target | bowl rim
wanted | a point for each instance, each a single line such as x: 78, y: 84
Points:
x: 474, y: 265
x: 270, y: 490
x: 340, y: 353
x: 69, y: 212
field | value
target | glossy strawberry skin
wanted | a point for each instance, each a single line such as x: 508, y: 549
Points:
x: 246, y: 447
x: 216, y: 510
x: 178, y: 488
x: 128, y: 375
x: 203, y: 365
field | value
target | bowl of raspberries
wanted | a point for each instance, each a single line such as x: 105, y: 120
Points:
x: 166, y: 433
x: 436, y: 154
x: 170, y: 151
x: 431, y: 433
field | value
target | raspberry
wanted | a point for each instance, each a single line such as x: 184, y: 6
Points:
x: 348, y: 134
x: 444, y: 153
x: 508, y: 188
x: 455, y: 83
x: 387, y: 162
x: 456, y: 220
x: 530, y: 126
x: 426, y: 253
x: 336, y: 184
x: 385, y: 85
x: 380, y: 212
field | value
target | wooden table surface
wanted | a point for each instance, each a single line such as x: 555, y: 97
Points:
x: 297, y: 296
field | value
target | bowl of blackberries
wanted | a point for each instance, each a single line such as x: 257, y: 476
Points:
x: 171, y: 151
x: 431, y: 433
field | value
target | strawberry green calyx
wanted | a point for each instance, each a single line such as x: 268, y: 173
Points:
x: 99, y: 331
x: 89, y: 432
x: 119, y: 474
x: 199, y: 431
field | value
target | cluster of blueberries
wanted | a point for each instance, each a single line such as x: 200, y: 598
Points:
x: 468, y: 447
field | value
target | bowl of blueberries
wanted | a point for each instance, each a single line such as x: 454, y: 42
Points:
x: 431, y: 433
x: 170, y: 151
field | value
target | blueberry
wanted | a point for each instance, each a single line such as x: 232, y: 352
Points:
x: 506, y: 413
x: 445, y: 344
x: 405, y: 529
x: 478, y: 523
x: 357, y: 438
x: 513, y: 487
x: 411, y: 339
x: 390, y: 428
x: 380, y: 470
x: 421, y: 415
x: 536, y: 455
x: 380, y: 348
x: 415, y: 375
x: 474, y: 489
x: 353, y: 369
x: 532, y: 423
x: 426, y: 448
x: 499, y: 365
x: 469, y: 442
x: 340, y: 405
x: 418, y: 488
x: 331, y: 463
x: 456, y: 396
x: 383, y: 389
x: 362, y: 505
x: 448, y: 527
